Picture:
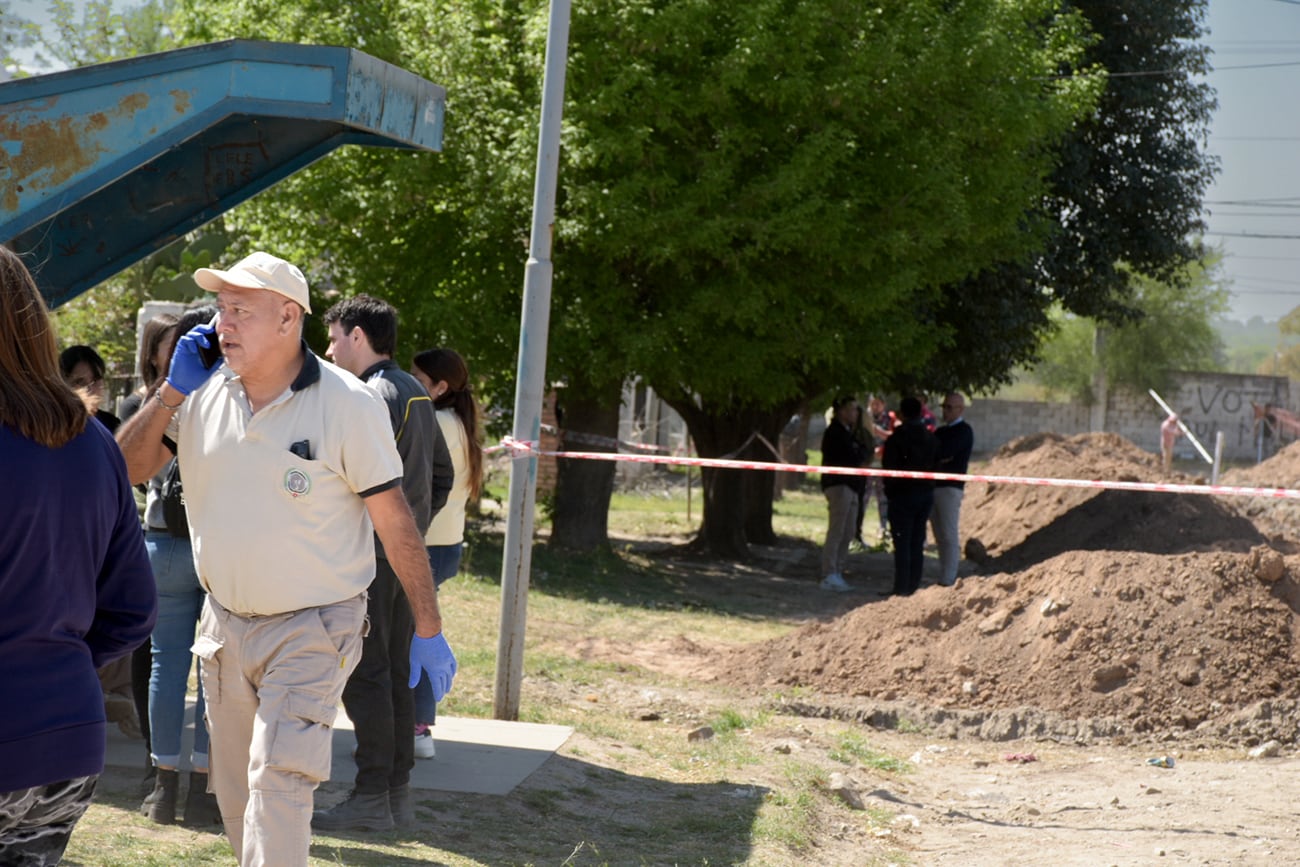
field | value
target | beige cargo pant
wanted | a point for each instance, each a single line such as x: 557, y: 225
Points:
x: 273, y: 686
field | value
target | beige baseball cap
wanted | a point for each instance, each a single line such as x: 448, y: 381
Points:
x: 259, y: 271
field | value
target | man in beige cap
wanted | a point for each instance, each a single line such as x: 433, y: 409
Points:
x: 288, y: 463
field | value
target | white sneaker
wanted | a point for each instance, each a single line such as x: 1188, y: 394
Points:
x: 424, y: 748
x: 835, y: 583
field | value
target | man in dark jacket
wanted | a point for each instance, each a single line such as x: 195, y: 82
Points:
x: 377, y: 698
x: 909, y: 447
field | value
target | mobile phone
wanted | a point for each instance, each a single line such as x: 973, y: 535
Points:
x: 211, y: 355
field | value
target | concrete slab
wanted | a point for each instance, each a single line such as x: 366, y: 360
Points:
x: 488, y: 757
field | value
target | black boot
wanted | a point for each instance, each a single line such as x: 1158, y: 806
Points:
x: 360, y: 812
x: 402, y: 806
x: 150, y: 775
x: 160, y: 805
x: 201, y: 808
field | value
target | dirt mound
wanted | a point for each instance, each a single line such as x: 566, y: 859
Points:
x: 1012, y: 526
x: 1279, y: 519
x: 1149, y: 643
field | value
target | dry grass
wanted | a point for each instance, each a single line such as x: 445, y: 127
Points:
x: 628, y: 787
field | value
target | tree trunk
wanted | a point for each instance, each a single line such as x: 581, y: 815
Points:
x: 719, y: 432
x: 580, y: 515
x: 760, y: 491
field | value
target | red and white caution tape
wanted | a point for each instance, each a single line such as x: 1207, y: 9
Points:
x: 523, y: 449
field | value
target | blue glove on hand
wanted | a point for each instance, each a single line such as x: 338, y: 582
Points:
x: 187, y: 370
x: 435, y: 657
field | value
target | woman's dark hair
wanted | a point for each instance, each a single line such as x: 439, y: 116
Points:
x: 446, y: 365
x: 155, y: 331
x: 190, y: 318
x: 74, y: 355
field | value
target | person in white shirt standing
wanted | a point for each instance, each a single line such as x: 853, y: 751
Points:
x: 444, y: 374
x: 290, y: 471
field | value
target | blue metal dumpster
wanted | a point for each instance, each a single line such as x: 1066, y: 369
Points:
x: 101, y: 166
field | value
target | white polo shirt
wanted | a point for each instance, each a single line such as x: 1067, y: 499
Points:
x: 273, y: 531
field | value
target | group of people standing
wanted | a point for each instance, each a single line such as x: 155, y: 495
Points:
x: 909, y: 442
x: 322, y: 505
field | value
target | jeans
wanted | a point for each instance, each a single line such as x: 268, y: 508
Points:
x: 180, y: 601
x: 444, y: 560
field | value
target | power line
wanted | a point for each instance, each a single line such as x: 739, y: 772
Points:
x: 1280, y: 202
x: 1257, y: 234
x: 1252, y: 278
x: 1227, y: 214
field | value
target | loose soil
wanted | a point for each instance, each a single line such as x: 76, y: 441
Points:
x: 1091, y: 633
x: 1091, y: 630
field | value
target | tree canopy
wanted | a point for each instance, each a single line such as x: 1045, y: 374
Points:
x: 756, y: 198
x: 1125, y: 200
x: 1175, y: 331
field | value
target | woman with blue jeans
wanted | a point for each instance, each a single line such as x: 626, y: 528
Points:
x: 444, y: 374
x: 180, y: 601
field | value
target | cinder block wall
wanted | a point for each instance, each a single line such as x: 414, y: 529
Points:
x: 1207, y: 402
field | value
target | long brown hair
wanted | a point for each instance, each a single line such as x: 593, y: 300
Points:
x: 156, y: 331
x: 34, y: 399
x: 446, y: 365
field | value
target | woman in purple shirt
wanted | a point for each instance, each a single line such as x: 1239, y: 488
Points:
x: 76, y: 591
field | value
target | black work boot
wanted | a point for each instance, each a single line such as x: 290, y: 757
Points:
x: 160, y: 804
x: 402, y: 806
x: 201, y: 808
x: 362, y: 811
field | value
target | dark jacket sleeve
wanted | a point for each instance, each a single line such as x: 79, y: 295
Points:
x: 126, y: 597
x: 955, y: 445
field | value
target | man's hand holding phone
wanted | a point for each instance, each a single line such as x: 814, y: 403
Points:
x: 197, y: 355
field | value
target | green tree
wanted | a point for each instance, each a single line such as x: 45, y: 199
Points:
x: 774, y: 192
x: 749, y: 192
x: 1125, y: 197
x: 96, y: 31
x: 16, y: 34
x: 1174, y: 331
x: 1284, y: 360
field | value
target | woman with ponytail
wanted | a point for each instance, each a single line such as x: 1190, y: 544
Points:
x: 444, y: 374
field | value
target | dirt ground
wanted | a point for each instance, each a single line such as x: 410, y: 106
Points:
x: 1091, y: 631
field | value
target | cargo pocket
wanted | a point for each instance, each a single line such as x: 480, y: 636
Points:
x: 304, y: 737
x: 207, y: 648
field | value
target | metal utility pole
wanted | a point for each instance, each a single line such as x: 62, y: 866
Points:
x: 534, y: 326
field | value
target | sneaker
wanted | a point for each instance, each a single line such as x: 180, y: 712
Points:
x: 835, y: 583
x: 424, y: 748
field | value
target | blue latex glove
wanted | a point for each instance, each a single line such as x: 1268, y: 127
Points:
x: 435, y: 657
x: 187, y: 371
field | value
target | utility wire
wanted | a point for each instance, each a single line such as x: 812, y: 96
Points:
x: 1256, y: 234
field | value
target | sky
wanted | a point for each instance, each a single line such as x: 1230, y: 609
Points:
x: 1253, y: 206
